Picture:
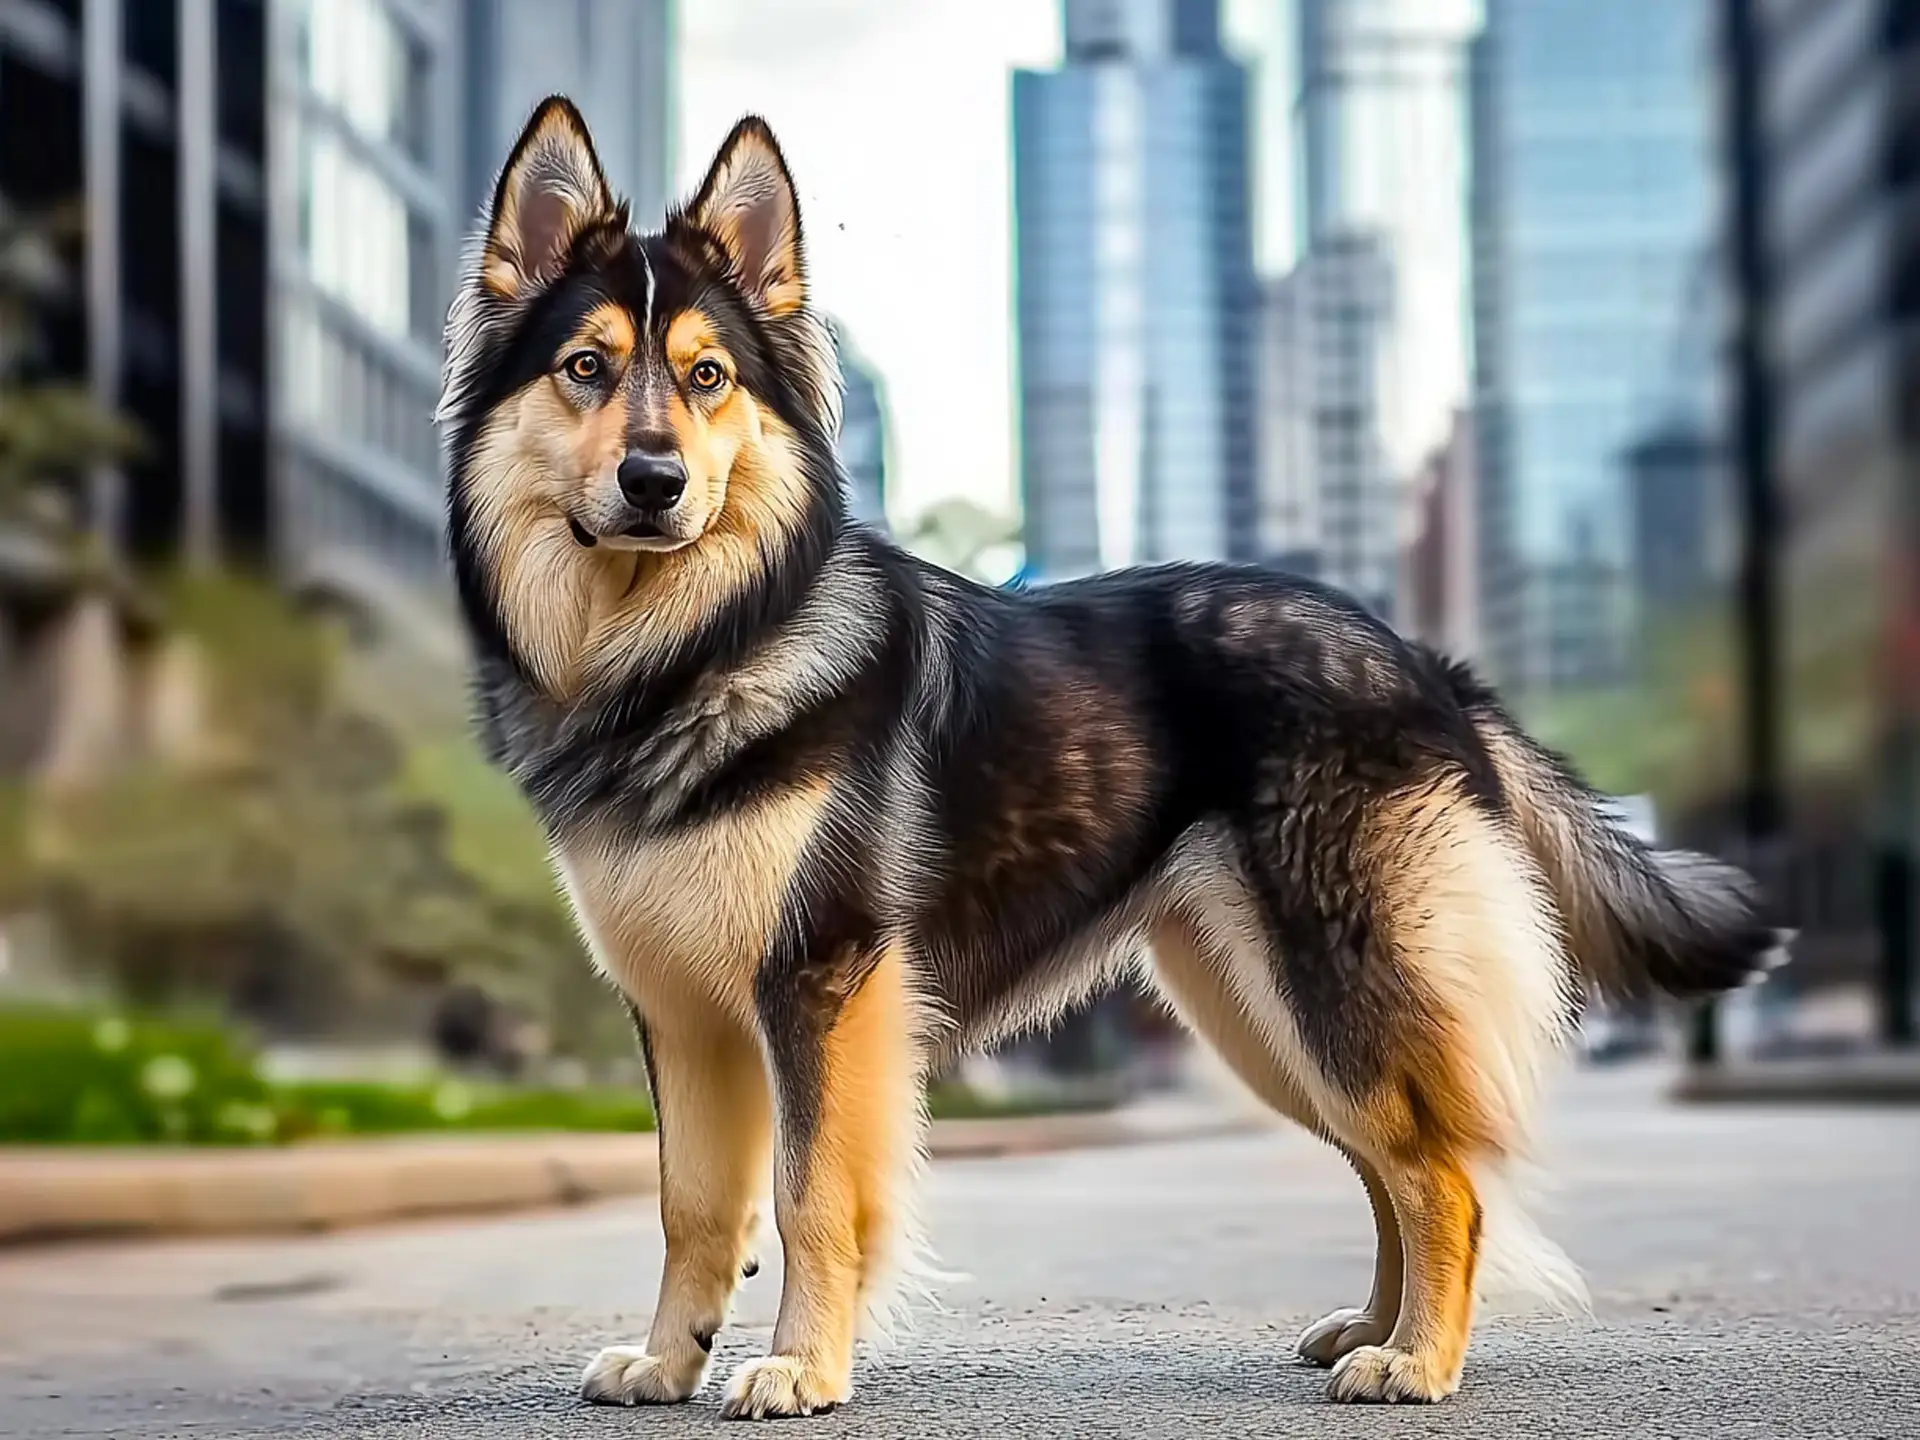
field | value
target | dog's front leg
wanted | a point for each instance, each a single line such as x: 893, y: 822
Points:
x: 839, y: 1036
x: 710, y: 1094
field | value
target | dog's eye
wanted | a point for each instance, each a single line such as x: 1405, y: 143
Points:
x: 583, y: 365
x: 707, y: 375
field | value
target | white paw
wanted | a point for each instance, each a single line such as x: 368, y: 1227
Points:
x: 628, y: 1375
x: 780, y: 1385
x: 1384, y: 1375
x: 1338, y: 1334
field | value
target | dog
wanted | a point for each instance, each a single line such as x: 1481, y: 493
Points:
x: 828, y: 814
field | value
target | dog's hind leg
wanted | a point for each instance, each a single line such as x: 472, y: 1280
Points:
x: 1194, y: 969
x: 715, y: 1121
x: 1467, y: 994
x: 840, y: 1037
x: 1338, y: 1334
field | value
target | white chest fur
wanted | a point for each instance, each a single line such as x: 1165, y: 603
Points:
x: 689, y: 915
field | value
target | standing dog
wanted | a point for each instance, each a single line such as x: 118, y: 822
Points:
x: 827, y: 813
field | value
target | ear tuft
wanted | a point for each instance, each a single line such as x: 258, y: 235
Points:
x: 551, y: 191
x: 748, y: 204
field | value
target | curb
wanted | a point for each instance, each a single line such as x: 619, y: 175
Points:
x: 1875, y: 1079
x: 57, y: 1193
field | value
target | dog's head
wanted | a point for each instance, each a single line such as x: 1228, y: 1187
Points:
x: 610, y: 393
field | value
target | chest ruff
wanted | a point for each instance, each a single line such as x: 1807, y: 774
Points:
x: 689, y: 915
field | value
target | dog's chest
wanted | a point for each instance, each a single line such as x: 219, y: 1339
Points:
x: 693, y: 911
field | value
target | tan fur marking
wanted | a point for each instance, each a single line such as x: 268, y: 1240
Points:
x: 1466, y: 912
x: 1440, y: 1220
x: 716, y: 1141
x: 842, y: 1217
x: 690, y: 336
x: 685, y: 920
x: 609, y: 327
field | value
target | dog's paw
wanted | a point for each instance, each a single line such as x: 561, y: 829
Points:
x: 1382, y: 1374
x: 1341, y: 1333
x: 628, y: 1375
x: 781, y: 1385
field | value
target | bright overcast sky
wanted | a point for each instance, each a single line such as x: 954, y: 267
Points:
x: 895, y: 118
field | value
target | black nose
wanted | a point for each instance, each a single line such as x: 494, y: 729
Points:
x: 650, y: 481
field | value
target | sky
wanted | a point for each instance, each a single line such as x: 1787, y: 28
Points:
x: 895, y: 119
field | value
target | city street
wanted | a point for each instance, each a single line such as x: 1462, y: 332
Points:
x: 1755, y: 1272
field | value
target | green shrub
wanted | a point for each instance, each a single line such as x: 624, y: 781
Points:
x: 103, y: 1078
x: 75, y: 1077
x: 337, y: 1107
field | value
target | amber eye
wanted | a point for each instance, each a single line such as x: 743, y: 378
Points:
x: 584, y: 366
x: 707, y: 375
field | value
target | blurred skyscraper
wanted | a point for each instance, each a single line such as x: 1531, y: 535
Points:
x: 365, y: 229
x: 1330, y: 497
x: 1593, y: 195
x: 152, y: 116
x: 614, y: 58
x: 863, y: 434
x: 1137, y: 297
x: 1823, y: 245
x: 1381, y: 116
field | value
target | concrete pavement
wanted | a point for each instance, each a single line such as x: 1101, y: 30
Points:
x: 1756, y: 1272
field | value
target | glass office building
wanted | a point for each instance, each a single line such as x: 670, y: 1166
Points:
x: 1137, y: 302
x: 1381, y: 115
x: 1592, y: 200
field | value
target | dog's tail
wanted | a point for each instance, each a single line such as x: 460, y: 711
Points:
x: 1637, y: 919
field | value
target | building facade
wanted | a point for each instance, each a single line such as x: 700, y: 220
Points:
x: 1330, y: 495
x: 613, y: 58
x: 153, y: 117
x: 1823, y: 238
x: 1439, y: 600
x: 1593, y: 195
x: 1137, y: 302
x: 1381, y: 121
x: 362, y: 93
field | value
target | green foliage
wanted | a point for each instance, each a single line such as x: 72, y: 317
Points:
x: 50, y: 430
x: 297, y: 859
x: 369, y: 1108
x: 100, y: 1077
x: 104, y: 1079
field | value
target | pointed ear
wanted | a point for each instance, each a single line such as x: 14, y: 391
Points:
x: 747, y: 203
x: 551, y: 190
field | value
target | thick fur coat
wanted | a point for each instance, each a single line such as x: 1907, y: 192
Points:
x: 828, y: 813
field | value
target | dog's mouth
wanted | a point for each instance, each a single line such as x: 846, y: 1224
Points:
x: 650, y: 535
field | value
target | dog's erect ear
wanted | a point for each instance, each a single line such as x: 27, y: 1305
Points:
x: 747, y: 203
x: 552, y: 190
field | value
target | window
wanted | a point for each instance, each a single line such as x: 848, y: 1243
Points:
x: 369, y: 69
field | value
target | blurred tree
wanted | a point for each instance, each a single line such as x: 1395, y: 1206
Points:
x: 51, y: 431
x: 968, y: 538
x: 291, y: 873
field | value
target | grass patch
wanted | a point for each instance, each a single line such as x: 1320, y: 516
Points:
x: 101, y: 1078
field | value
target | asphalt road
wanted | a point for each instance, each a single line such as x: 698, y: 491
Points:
x: 1754, y: 1273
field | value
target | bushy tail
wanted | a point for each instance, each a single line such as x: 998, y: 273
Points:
x: 1638, y: 919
